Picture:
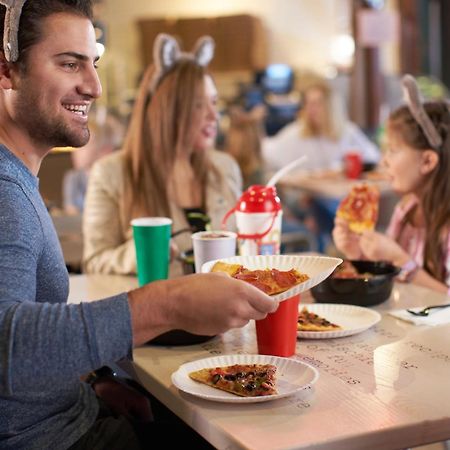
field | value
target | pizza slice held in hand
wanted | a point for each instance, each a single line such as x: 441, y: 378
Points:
x: 245, y: 380
x: 360, y: 208
x: 270, y: 281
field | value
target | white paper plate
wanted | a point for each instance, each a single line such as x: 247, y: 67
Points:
x: 316, y: 267
x: 353, y: 319
x: 292, y: 376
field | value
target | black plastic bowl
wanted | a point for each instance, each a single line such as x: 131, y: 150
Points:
x: 179, y: 338
x: 358, y: 291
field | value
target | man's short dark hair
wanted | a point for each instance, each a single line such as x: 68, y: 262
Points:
x: 33, y: 13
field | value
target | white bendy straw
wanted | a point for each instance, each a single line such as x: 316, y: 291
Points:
x: 284, y: 170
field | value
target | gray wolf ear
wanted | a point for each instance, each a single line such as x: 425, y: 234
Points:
x: 204, y: 50
x: 414, y: 102
x: 166, y: 52
x: 11, y: 28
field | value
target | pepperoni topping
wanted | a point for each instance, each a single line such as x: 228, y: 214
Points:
x: 361, y: 205
x: 284, y: 279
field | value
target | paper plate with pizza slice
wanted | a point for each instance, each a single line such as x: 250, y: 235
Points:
x: 333, y: 320
x: 244, y: 378
x: 280, y: 276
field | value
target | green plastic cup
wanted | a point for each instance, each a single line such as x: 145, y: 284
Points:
x: 152, y: 240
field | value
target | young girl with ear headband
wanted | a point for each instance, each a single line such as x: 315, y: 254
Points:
x: 168, y: 166
x: 417, y: 162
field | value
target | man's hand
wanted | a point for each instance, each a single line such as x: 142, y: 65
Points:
x: 215, y: 302
x: 205, y: 304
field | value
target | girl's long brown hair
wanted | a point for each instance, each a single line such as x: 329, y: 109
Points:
x: 436, y: 188
x: 160, y: 131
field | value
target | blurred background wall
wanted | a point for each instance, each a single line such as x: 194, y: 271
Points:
x: 305, y: 34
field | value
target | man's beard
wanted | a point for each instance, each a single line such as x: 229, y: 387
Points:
x: 48, y: 129
x: 56, y: 133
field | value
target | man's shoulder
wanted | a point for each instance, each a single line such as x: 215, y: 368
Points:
x: 16, y: 206
x: 10, y: 191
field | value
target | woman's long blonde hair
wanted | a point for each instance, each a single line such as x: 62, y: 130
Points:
x: 334, y: 113
x: 160, y: 130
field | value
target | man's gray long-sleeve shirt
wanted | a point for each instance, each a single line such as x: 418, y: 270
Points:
x: 46, y: 344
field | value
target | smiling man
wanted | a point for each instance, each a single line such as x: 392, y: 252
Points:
x: 48, y: 81
x: 59, y: 82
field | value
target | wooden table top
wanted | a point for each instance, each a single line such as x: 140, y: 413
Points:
x: 387, y: 387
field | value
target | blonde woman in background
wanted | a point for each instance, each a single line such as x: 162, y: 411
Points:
x: 321, y: 132
x: 167, y: 167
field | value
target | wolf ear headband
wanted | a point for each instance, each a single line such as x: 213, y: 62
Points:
x: 166, y: 53
x: 413, y: 100
x: 11, y: 28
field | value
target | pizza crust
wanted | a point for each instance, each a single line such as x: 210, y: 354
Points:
x: 230, y: 269
x: 201, y: 375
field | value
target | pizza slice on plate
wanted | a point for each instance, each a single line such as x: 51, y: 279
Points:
x: 360, y: 207
x: 309, y: 321
x: 245, y: 380
x: 270, y: 281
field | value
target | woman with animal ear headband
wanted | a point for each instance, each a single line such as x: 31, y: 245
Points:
x: 167, y: 167
x: 418, y: 163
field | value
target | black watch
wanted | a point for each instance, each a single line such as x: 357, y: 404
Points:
x: 103, y: 372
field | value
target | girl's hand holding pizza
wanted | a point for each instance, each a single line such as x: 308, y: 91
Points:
x: 346, y: 240
x: 379, y: 247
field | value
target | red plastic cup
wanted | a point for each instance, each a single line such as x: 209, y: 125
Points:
x: 353, y: 165
x: 277, y: 333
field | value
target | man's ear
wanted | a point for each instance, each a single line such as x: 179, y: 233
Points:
x: 430, y: 160
x: 5, y: 73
